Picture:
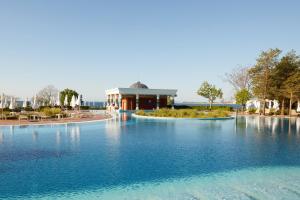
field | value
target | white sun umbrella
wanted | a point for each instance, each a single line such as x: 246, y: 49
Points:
x: 5, y: 103
x: 298, y: 106
x: 2, y: 101
x: 78, y: 101
x: 25, y: 103
x: 12, y: 104
x: 58, y: 100
x: 73, y: 101
x: 51, y: 102
x: 35, y: 104
x: 66, y: 100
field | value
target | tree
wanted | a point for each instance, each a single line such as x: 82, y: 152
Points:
x: 69, y: 93
x: 291, y: 87
x: 260, y: 74
x: 210, y: 92
x: 239, y: 78
x: 46, y: 95
x: 287, y: 66
x: 242, y: 96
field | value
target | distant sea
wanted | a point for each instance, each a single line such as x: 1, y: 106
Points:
x: 94, y: 104
x: 206, y: 104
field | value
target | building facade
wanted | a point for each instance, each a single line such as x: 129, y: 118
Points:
x: 138, y: 97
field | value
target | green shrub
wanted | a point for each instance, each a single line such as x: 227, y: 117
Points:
x: 15, y: 110
x: 272, y: 111
x: 184, y: 113
x: 140, y: 112
x: 206, y: 108
x: 277, y: 112
x: 84, y: 107
x: 28, y: 109
x: 51, y: 112
x: 252, y: 110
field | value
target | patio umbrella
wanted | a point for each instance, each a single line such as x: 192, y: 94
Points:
x: 73, y: 101
x: 12, y: 104
x: 58, y: 100
x: 2, y: 101
x: 78, y: 101
x: 66, y: 100
x: 5, y: 103
x: 275, y: 105
x: 35, y: 104
x: 25, y: 103
x: 51, y: 102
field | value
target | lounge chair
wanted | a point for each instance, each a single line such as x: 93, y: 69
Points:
x: 44, y: 117
x: 23, y: 117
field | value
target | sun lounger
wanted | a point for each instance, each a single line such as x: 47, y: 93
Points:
x: 23, y: 117
x: 44, y: 117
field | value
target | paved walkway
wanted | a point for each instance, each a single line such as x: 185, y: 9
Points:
x: 54, y: 121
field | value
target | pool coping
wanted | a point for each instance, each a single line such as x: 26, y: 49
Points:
x: 174, y: 118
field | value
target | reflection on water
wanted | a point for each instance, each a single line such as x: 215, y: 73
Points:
x: 62, y: 135
x: 58, y: 137
x: 113, y: 130
x: 212, y: 125
x: 35, y: 136
x: 124, y: 117
x: 298, y: 125
x: 74, y: 134
x: 11, y: 128
x: 268, y: 125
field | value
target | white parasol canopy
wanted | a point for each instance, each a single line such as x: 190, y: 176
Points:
x: 78, y: 101
x: 73, y: 102
x: 35, y: 104
x: 12, y: 104
x: 58, y: 99
x: 25, y: 103
x: 51, y: 102
x: 2, y: 101
x: 5, y: 103
x: 275, y: 105
x: 66, y: 100
x: 298, y: 106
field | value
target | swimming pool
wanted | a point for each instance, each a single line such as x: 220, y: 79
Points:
x: 247, y: 158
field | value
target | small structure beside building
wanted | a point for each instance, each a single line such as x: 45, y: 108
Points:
x: 257, y: 104
x: 138, y: 97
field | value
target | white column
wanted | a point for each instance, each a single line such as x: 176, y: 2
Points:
x: 157, y: 101
x: 120, y: 102
x: 111, y: 100
x: 107, y: 101
x: 116, y: 100
x: 137, y: 98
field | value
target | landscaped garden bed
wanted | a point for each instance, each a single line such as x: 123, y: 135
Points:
x: 184, y: 113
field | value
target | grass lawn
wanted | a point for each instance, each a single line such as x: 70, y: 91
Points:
x: 185, y: 113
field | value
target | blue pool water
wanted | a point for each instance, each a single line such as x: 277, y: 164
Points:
x: 251, y: 158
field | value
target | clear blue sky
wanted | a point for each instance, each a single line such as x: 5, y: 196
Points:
x: 91, y: 46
